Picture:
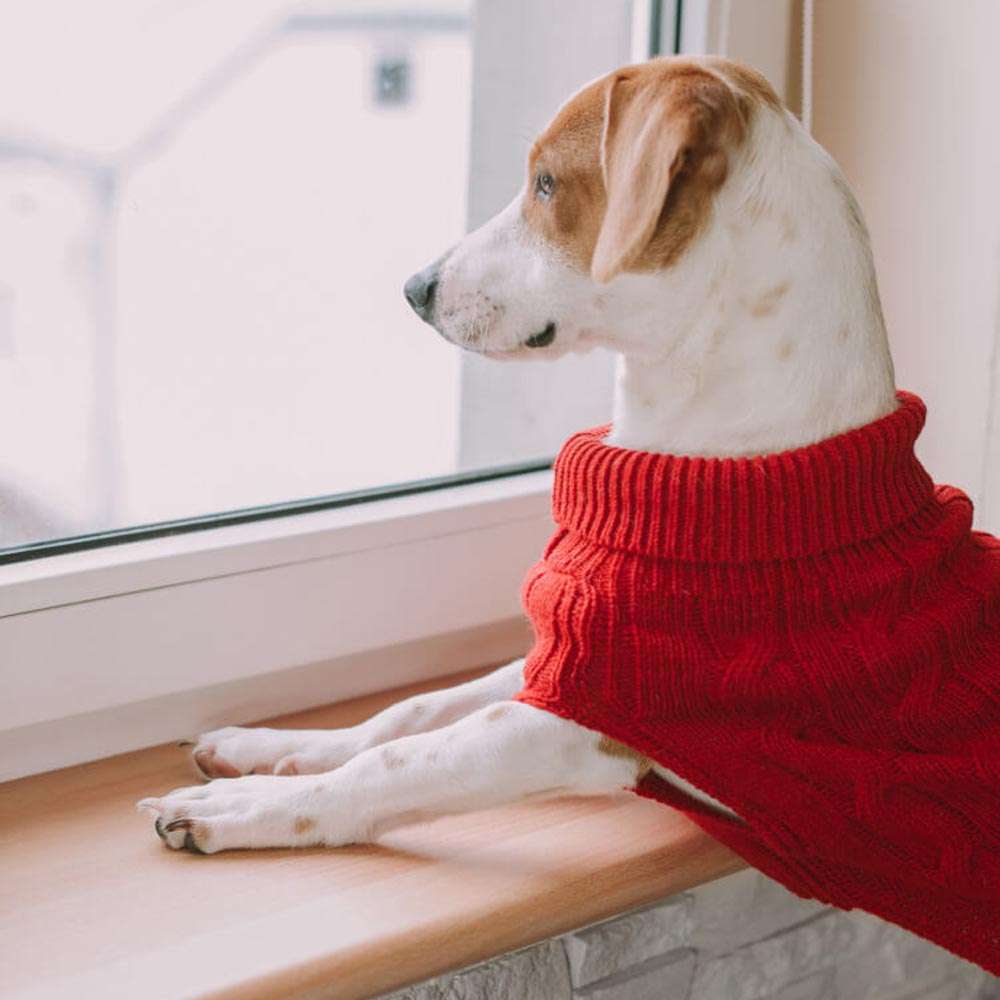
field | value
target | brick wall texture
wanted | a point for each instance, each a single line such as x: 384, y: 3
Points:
x: 741, y: 938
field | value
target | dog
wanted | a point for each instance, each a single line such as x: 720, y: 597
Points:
x: 675, y: 212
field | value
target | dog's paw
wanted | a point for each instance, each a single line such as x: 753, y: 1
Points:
x: 252, y: 811
x: 235, y: 751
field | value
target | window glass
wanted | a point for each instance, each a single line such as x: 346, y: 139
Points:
x: 207, y: 213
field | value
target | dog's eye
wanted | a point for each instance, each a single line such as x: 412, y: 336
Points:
x: 545, y: 184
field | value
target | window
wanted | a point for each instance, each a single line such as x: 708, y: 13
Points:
x: 208, y: 211
x: 206, y: 362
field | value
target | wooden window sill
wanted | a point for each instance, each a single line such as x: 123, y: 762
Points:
x: 93, y: 906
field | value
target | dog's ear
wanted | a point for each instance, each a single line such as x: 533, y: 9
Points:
x: 659, y: 130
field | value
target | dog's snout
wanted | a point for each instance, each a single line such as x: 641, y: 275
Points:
x: 419, y: 291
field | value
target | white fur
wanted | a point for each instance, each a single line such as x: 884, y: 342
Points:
x: 702, y: 374
x: 495, y: 751
x: 711, y: 380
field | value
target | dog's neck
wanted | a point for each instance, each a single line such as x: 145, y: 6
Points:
x: 773, y: 337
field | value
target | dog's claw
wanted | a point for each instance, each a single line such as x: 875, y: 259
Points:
x: 186, y: 743
x: 158, y: 827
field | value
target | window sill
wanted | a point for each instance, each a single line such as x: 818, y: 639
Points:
x: 94, y: 906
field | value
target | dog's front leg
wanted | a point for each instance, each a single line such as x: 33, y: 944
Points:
x: 236, y: 750
x: 503, y: 753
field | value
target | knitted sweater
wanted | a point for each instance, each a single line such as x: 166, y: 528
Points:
x: 813, y: 639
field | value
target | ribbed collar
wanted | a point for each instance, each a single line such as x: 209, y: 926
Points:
x: 843, y: 490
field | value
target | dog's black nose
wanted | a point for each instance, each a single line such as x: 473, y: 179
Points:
x: 419, y: 291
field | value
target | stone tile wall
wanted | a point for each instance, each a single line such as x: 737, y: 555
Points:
x: 741, y: 938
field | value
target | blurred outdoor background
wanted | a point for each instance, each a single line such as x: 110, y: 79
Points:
x: 207, y: 213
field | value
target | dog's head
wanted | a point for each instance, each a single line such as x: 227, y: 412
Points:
x: 619, y: 188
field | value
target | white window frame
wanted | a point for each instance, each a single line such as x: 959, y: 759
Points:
x: 115, y: 635
x: 114, y: 648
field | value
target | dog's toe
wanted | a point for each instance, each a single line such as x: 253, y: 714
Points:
x: 187, y: 834
x: 212, y: 765
x: 228, y: 814
x: 190, y: 845
x: 288, y: 765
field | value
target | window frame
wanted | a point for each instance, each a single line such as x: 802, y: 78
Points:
x: 103, y: 650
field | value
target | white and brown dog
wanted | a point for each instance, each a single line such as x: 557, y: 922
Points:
x: 675, y: 212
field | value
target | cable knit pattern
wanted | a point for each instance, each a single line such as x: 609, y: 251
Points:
x: 813, y: 639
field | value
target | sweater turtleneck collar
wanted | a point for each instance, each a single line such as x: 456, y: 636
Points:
x: 840, y: 491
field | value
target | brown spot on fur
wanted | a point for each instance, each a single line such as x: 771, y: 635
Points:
x: 768, y: 302
x: 496, y: 712
x: 570, y: 150
x: 611, y: 168
x: 612, y: 748
x: 303, y: 824
x: 844, y: 333
x: 785, y: 350
x: 748, y: 81
x: 789, y: 229
x: 392, y: 760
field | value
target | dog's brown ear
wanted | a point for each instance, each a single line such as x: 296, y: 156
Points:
x: 657, y: 128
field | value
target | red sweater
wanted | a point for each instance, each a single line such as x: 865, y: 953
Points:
x: 813, y: 639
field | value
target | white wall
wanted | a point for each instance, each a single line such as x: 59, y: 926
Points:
x: 905, y: 100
